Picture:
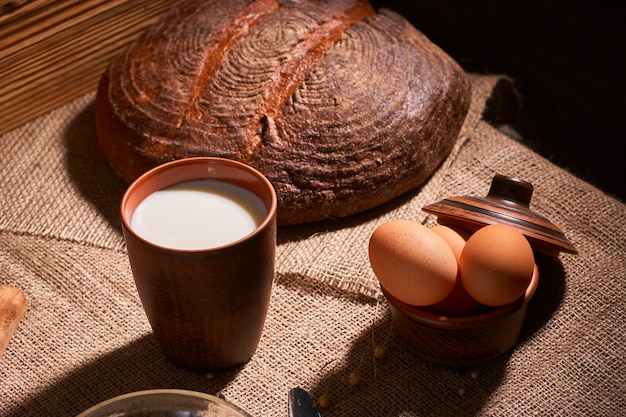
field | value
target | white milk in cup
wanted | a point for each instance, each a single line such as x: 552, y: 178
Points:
x: 199, y: 214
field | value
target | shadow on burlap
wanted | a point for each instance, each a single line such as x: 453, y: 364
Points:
x: 85, y: 337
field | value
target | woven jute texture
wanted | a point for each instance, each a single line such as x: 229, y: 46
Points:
x: 85, y: 337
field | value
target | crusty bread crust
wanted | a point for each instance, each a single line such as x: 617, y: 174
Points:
x: 343, y: 108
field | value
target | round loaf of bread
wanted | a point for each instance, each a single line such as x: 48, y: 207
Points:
x: 343, y: 108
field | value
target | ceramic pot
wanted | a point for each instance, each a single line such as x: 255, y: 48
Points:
x: 461, y: 340
x: 206, y: 307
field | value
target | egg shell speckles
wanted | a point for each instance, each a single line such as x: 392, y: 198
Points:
x: 412, y: 263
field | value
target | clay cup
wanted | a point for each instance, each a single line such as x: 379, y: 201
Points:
x: 207, y: 307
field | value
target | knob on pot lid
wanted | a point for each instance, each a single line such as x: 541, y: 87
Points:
x: 508, y: 202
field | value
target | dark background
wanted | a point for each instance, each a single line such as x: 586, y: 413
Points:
x: 566, y: 59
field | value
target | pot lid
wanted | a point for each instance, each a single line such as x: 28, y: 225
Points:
x: 508, y: 202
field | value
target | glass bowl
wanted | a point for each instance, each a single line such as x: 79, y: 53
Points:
x: 164, y: 403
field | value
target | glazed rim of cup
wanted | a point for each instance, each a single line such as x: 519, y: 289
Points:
x: 432, y: 317
x: 132, y: 198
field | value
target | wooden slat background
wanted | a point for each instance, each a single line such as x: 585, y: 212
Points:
x: 52, y: 51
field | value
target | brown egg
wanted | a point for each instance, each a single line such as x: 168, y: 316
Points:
x: 496, y: 265
x: 455, y: 238
x: 413, y: 263
x: 458, y: 301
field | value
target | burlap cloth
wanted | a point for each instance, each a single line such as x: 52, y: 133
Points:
x: 85, y: 337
